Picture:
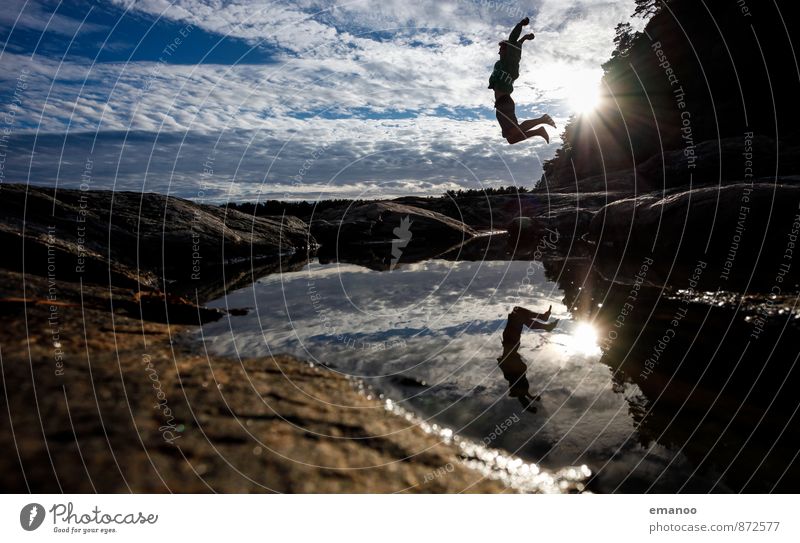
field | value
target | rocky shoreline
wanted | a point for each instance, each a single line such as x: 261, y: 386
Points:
x: 105, y: 394
x: 105, y: 402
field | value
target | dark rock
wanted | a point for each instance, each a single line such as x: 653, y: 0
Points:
x: 525, y: 230
x: 561, y: 223
x: 130, y: 238
x: 741, y: 231
x: 615, y: 184
x: 387, y: 222
x: 481, y: 248
x: 713, y: 160
x: 406, y: 381
x: 159, y: 306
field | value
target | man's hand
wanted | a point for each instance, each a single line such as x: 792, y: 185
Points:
x: 525, y: 21
x: 528, y: 36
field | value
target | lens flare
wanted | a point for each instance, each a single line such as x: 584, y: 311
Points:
x: 583, y: 340
x: 584, y: 98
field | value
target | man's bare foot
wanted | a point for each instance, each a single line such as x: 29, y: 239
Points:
x: 547, y: 119
x: 551, y: 326
x: 542, y: 132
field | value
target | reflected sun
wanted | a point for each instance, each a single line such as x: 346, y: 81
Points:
x: 583, y: 339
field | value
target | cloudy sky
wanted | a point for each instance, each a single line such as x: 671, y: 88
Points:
x: 216, y: 100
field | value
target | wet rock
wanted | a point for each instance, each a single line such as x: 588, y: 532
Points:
x: 162, y: 307
x: 525, y: 231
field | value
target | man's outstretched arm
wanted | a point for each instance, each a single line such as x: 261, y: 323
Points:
x: 514, y: 36
x: 526, y: 37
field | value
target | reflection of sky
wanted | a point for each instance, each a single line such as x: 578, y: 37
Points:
x: 438, y: 324
x: 338, y: 314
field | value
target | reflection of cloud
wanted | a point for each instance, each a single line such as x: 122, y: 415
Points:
x: 435, y: 302
x: 440, y: 323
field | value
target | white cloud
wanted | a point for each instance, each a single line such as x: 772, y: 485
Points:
x: 33, y: 16
x: 343, y: 74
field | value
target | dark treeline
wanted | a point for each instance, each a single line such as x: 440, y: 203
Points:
x: 302, y: 209
x: 489, y: 191
x: 305, y: 210
x: 700, y: 71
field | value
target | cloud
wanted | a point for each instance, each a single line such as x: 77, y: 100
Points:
x: 396, y: 89
x: 35, y: 16
x: 371, y: 159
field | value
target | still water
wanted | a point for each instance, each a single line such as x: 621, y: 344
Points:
x: 428, y: 336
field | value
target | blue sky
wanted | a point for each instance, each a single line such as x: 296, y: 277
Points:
x: 215, y: 100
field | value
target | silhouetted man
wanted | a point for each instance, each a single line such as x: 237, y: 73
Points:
x: 506, y: 71
x: 511, y: 363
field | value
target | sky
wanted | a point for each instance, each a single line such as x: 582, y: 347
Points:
x: 217, y: 100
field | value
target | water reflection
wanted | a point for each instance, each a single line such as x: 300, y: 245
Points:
x: 712, y: 410
x: 583, y: 340
x: 427, y: 335
x: 722, y: 399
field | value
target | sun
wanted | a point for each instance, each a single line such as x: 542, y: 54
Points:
x: 584, y: 98
x: 577, y: 87
x: 578, y: 90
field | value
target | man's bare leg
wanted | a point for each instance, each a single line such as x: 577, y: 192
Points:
x: 541, y: 132
x: 532, y: 123
x: 530, y: 315
x: 532, y: 319
x: 536, y: 325
x: 518, y: 135
x: 529, y: 124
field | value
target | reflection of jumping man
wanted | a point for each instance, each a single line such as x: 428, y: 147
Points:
x: 506, y: 71
x: 511, y: 363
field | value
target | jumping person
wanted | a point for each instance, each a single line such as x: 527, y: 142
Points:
x: 506, y: 71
